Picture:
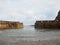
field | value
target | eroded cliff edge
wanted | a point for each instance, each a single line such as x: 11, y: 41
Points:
x: 49, y: 23
x: 10, y: 25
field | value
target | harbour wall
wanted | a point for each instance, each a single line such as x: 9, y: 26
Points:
x: 10, y: 24
x: 47, y: 24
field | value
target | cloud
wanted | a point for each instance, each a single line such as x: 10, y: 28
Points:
x: 28, y: 11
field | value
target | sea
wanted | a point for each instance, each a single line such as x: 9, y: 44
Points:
x: 28, y: 33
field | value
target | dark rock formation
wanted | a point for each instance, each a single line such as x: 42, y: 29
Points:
x: 49, y: 23
x: 58, y: 17
x: 10, y: 24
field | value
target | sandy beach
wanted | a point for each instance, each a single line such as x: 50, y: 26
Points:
x: 29, y: 37
x: 42, y: 42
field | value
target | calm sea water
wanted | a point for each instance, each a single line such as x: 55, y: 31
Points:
x: 28, y: 33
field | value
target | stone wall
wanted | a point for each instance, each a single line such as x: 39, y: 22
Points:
x: 19, y: 25
x: 49, y: 23
x: 9, y: 24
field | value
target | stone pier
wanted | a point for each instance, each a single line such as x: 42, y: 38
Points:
x: 49, y: 23
x: 10, y: 24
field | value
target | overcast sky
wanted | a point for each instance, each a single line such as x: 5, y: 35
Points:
x: 28, y: 11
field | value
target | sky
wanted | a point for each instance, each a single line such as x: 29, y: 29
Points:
x: 29, y: 11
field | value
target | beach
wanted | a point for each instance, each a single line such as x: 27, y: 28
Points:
x: 30, y: 36
x: 42, y: 42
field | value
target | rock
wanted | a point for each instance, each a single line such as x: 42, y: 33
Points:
x: 58, y: 17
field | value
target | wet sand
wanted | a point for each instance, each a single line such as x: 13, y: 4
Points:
x: 29, y: 36
x: 39, y: 42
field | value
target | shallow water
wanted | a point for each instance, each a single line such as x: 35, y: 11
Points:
x: 28, y: 33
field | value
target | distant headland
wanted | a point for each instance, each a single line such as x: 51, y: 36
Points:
x: 10, y: 25
x: 49, y: 23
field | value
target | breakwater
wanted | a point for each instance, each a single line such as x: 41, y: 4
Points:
x: 49, y: 23
x: 10, y: 24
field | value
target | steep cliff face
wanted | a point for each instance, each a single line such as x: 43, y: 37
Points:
x: 58, y: 16
x: 9, y: 24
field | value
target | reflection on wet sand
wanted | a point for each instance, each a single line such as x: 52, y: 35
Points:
x: 29, y: 36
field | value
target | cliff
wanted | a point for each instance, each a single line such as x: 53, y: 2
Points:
x: 10, y: 24
x: 49, y: 23
x: 58, y: 17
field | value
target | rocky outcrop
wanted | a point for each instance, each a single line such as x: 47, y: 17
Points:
x: 49, y: 23
x: 58, y: 17
x: 10, y: 24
